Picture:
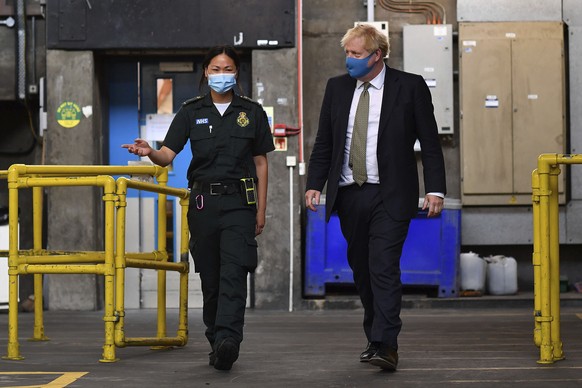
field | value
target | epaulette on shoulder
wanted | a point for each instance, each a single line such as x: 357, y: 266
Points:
x: 250, y: 100
x: 192, y: 100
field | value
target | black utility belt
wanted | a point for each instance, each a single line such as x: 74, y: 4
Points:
x: 217, y: 188
x: 245, y: 186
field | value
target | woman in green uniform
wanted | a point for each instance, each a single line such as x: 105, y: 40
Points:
x: 229, y: 137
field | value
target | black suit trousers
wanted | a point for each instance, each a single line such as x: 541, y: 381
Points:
x: 375, y: 242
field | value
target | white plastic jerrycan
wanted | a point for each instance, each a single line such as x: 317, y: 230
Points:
x: 473, y: 272
x: 501, y: 275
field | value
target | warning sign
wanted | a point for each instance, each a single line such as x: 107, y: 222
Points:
x: 69, y: 114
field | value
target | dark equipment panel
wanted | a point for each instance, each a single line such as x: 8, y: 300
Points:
x: 169, y: 24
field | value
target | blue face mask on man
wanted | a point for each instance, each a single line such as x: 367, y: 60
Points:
x: 358, y: 68
x: 222, y: 82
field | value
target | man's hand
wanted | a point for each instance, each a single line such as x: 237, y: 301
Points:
x: 434, y: 205
x: 312, y: 199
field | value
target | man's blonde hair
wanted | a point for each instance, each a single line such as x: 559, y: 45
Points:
x: 373, y: 38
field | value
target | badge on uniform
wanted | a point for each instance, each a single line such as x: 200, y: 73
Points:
x: 242, y: 119
x: 202, y: 121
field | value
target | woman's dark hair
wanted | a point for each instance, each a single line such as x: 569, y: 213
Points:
x: 227, y: 50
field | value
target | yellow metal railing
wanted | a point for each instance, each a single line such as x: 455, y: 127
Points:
x: 111, y: 262
x: 141, y: 260
x: 546, y: 255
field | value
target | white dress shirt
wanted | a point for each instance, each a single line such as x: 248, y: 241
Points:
x: 376, y: 91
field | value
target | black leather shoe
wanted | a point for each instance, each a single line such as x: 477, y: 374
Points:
x: 226, y: 354
x: 386, y: 359
x: 211, y: 358
x: 371, y: 349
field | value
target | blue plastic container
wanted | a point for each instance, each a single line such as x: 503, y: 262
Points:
x: 430, y: 256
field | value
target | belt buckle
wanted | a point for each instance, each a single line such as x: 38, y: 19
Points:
x: 212, y: 186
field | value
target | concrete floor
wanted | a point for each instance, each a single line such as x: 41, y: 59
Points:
x: 445, y: 345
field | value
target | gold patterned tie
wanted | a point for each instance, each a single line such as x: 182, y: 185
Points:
x: 359, y: 138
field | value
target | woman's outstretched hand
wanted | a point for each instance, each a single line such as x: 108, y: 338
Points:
x: 140, y: 147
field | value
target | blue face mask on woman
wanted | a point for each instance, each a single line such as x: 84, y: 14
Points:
x: 222, y: 82
x: 358, y: 68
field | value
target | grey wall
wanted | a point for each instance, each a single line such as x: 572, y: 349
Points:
x: 275, y: 85
x: 74, y: 214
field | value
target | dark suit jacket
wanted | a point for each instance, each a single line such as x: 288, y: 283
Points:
x: 407, y: 114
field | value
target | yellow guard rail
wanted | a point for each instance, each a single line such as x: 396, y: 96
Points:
x: 110, y: 263
x: 546, y: 255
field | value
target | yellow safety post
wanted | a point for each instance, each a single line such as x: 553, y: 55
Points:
x: 554, y: 222
x: 13, y: 346
x: 37, y: 210
x: 184, y: 258
x: 185, y: 232
x: 536, y: 255
x: 546, y: 255
x: 120, y: 264
x: 183, y: 311
x: 162, y: 228
x: 110, y: 198
x: 545, y: 318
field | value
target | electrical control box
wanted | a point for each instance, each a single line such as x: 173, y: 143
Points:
x: 512, y: 105
x: 428, y: 51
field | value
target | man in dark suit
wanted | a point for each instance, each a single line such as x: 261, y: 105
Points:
x: 370, y: 119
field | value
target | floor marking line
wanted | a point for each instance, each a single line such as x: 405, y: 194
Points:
x: 64, y: 379
x: 492, y: 368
